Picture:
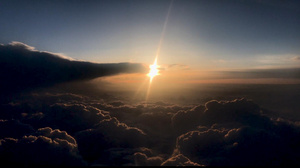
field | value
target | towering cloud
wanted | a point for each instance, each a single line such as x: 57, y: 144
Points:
x: 23, y: 67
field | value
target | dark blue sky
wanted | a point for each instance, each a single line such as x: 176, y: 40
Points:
x: 206, y: 34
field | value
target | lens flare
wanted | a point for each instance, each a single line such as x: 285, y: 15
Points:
x: 154, y: 71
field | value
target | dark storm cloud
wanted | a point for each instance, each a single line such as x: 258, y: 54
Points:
x: 23, y: 67
x: 46, y: 147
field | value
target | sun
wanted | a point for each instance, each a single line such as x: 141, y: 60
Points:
x: 154, y: 71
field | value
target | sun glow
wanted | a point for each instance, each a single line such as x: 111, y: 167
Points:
x: 154, y: 71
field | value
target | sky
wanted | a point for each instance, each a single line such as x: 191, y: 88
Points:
x: 205, y: 35
x: 76, y: 88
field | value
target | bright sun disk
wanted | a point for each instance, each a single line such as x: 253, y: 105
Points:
x: 153, y: 70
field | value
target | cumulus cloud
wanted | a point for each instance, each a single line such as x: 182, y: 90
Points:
x: 142, y: 159
x: 46, y: 147
x: 244, y: 146
x: 23, y: 67
x: 19, y: 129
x: 109, y: 133
x: 70, y: 117
x: 179, y: 160
x: 230, y: 113
x: 239, y: 110
x: 199, y: 145
x: 154, y: 119
x: 57, y: 134
x: 185, y: 120
x: 143, y: 116
x: 236, y: 133
x: 113, y: 142
x: 78, y: 130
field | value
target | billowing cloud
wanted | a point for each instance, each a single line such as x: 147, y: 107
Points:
x: 236, y: 133
x: 185, y: 120
x: 242, y: 146
x: 69, y: 117
x: 142, y: 159
x: 46, y: 147
x: 179, y: 160
x: 109, y: 133
x: 23, y: 67
x: 230, y: 113
x: 19, y: 129
x: 97, y: 131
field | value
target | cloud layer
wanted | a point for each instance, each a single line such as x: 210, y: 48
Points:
x: 236, y: 133
x: 23, y: 67
x: 69, y: 129
x: 286, y: 73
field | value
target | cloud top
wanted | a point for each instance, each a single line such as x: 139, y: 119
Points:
x: 23, y: 67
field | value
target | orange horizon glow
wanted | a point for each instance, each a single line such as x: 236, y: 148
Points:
x: 179, y: 77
